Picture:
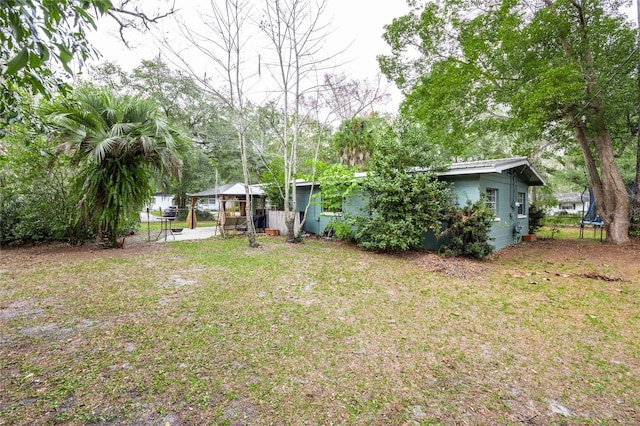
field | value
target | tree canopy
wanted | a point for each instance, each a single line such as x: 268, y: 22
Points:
x: 549, y: 72
x: 38, y: 37
x: 121, y: 146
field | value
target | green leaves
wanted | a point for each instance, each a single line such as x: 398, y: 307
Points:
x: 511, y: 67
x: 404, y: 199
x: 38, y: 36
x: 18, y: 62
x: 467, y: 231
x: 354, y: 140
x: 401, y: 207
x: 120, y: 144
x: 337, y: 182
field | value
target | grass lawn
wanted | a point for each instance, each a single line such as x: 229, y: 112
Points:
x: 212, y: 332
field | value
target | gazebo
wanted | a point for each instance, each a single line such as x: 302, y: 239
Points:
x: 232, y: 202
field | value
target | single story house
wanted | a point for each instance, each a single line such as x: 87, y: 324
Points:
x: 571, y: 203
x: 161, y: 201
x: 505, y: 182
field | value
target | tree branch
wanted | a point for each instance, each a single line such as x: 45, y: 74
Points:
x: 133, y: 18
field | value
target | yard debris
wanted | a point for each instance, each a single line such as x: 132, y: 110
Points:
x: 596, y: 276
x: 593, y: 276
x: 454, y: 266
x: 446, y: 362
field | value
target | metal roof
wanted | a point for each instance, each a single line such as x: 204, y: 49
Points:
x: 229, y: 189
x: 521, y: 165
x: 573, y: 197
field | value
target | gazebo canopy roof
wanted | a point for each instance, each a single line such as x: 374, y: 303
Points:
x: 229, y: 189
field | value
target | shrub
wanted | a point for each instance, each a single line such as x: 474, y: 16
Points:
x: 37, y: 201
x: 467, y: 231
x: 404, y: 198
x: 401, y: 208
x: 536, y: 218
x: 339, y: 229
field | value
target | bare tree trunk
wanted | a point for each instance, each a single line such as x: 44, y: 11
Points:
x: 294, y: 31
x: 251, y: 232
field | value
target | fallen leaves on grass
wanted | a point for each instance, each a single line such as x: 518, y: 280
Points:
x: 452, y: 266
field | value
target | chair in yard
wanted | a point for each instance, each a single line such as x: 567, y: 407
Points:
x: 234, y: 223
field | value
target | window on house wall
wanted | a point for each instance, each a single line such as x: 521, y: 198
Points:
x: 521, y: 203
x: 332, y: 205
x: 492, y: 200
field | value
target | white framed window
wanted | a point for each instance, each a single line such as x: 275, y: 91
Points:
x: 492, y: 200
x: 331, y: 206
x: 521, y: 203
x: 567, y: 206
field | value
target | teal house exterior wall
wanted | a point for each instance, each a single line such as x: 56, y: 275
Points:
x: 509, y: 226
x: 510, y: 187
x: 316, y: 219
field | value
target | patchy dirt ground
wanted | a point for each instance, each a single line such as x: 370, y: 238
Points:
x: 56, y: 252
x: 602, y: 261
x: 597, y: 260
x: 620, y: 260
x: 540, y: 333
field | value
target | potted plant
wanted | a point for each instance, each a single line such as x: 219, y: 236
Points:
x: 536, y: 216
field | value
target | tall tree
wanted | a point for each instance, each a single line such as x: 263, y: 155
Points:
x: 353, y: 142
x: 38, y: 36
x: 550, y: 70
x: 295, y: 31
x: 121, y: 145
x: 223, y: 43
x: 635, y: 190
x: 184, y: 103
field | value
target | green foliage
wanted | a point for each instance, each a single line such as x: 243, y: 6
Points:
x: 197, y: 174
x: 554, y: 222
x: 35, y: 37
x: 354, y: 140
x: 37, y: 203
x: 540, y: 76
x: 115, y: 191
x: 401, y: 207
x: 184, y: 104
x: 467, y: 231
x: 404, y: 145
x: 344, y: 230
x: 569, y: 219
x: 273, y: 178
x: 337, y: 182
x: 402, y: 202
x: 121, y: 146
x: 536, y: 217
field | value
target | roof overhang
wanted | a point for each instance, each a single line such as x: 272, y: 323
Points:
x: 521, y: 165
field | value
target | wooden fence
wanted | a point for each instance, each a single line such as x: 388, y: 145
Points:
x: 275, y: 220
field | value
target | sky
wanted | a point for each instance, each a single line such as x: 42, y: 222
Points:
x: 356, y: 25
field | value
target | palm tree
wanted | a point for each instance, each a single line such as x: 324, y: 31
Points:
x: 122, y: 146
x: 354, y: 140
